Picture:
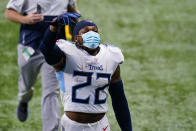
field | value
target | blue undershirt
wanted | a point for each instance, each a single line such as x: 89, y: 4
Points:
x: 50, y: 50
x: 120, y: 106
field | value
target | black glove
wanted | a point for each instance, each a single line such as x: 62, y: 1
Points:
x: 66, y: 19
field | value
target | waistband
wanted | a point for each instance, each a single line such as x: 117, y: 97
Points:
x: 84, y: 117
x: 65, y: 118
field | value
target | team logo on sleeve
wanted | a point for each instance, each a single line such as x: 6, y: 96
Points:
x: 59, y: 42
x: 62, y: 42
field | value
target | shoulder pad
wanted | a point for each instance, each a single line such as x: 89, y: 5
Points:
x: 66, y: 46
x: 116, y: 53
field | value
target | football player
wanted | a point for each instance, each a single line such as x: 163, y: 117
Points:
x: 87, y: 71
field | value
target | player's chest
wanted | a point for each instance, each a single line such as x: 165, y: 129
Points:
x: 88, y: 64
x: 94, y: 70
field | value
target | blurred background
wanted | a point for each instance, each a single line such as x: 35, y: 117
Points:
x: 158, y: 40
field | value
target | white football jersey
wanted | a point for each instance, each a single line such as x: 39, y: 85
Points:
x: 84, y: 80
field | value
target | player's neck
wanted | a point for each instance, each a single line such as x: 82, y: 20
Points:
x: 93, y: 52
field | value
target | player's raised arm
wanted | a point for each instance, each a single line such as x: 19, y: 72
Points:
x: 51, y: 52
x: 119, y: 102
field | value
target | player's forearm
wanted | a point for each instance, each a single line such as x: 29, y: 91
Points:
x: 72, y: 9
x: 14, y: 16
x: 120, y: 106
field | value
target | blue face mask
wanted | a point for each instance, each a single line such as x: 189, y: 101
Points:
x: 91, y: 39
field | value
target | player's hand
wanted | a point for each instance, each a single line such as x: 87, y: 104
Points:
x: 33, y: 18
x: 68, y: 18
x: 64, y: 19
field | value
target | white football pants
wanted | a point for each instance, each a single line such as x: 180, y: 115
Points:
x: 70, y: 125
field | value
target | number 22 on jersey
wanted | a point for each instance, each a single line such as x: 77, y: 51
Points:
x: 88, y: 82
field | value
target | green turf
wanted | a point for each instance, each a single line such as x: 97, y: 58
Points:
x: 157, y: 38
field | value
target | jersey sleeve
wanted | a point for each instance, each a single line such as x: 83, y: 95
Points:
x: 16, y: 5
x: 116, y: 54
x: 66, y: 46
